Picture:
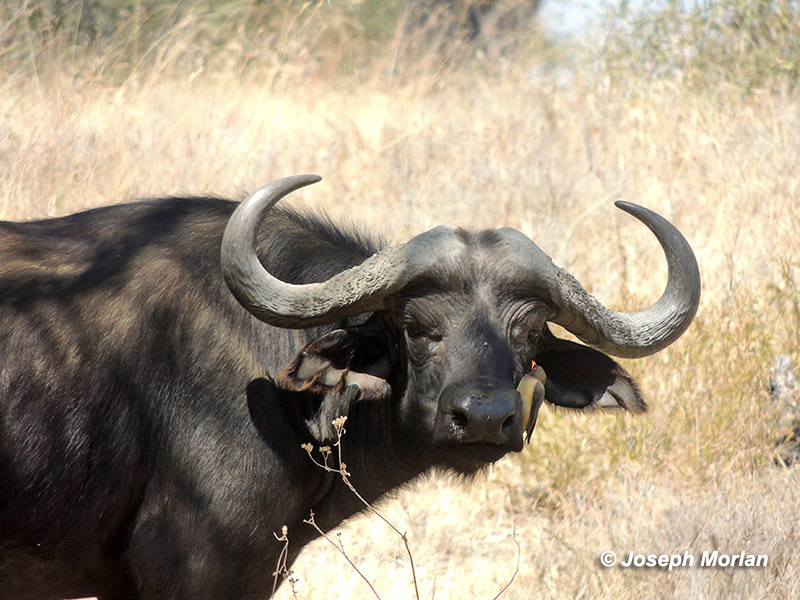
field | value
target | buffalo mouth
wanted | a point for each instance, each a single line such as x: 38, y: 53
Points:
x: 480, y: 427
x: 469, y: 458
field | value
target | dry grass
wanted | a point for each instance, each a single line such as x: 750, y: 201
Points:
x: 501, y: 142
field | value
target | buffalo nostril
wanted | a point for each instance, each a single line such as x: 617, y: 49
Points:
x: 484, y: 419
x: 508, y: 426
x: 460, y: 419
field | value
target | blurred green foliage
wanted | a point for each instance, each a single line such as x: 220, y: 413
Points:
x: 749, y: 44
x: 132, y: 31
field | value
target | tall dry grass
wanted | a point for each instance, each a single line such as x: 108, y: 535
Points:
x: 541, y: 140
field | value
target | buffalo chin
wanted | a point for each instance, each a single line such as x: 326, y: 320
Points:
x: 469, y: 458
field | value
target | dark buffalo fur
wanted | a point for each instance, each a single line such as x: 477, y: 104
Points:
x: 151, y: 428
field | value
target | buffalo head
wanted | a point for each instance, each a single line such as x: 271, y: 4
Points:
x: 444, y: 329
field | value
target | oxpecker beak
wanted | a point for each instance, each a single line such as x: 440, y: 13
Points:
x: 531, y: 391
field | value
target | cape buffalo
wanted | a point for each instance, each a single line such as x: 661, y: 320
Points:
x: 151, y: 427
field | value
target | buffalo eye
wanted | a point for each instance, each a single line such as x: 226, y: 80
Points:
x: 535, y: 337
x: 415, y: 331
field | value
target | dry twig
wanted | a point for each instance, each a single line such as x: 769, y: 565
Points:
x: 282, y: 570
x: 325, y: 451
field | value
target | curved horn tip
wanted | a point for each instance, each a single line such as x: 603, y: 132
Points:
x: 633, y: 209
x: 311, y: 177
x: 298, y: 181
x: 277, y: 189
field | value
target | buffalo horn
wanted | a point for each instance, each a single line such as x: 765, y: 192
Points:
x: 640, y: 333
x: 359, y: 289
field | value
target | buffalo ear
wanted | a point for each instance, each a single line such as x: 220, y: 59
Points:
x: 582, y: 378
x: 341, y: 368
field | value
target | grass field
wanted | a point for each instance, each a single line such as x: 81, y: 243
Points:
x: 539, y: 138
